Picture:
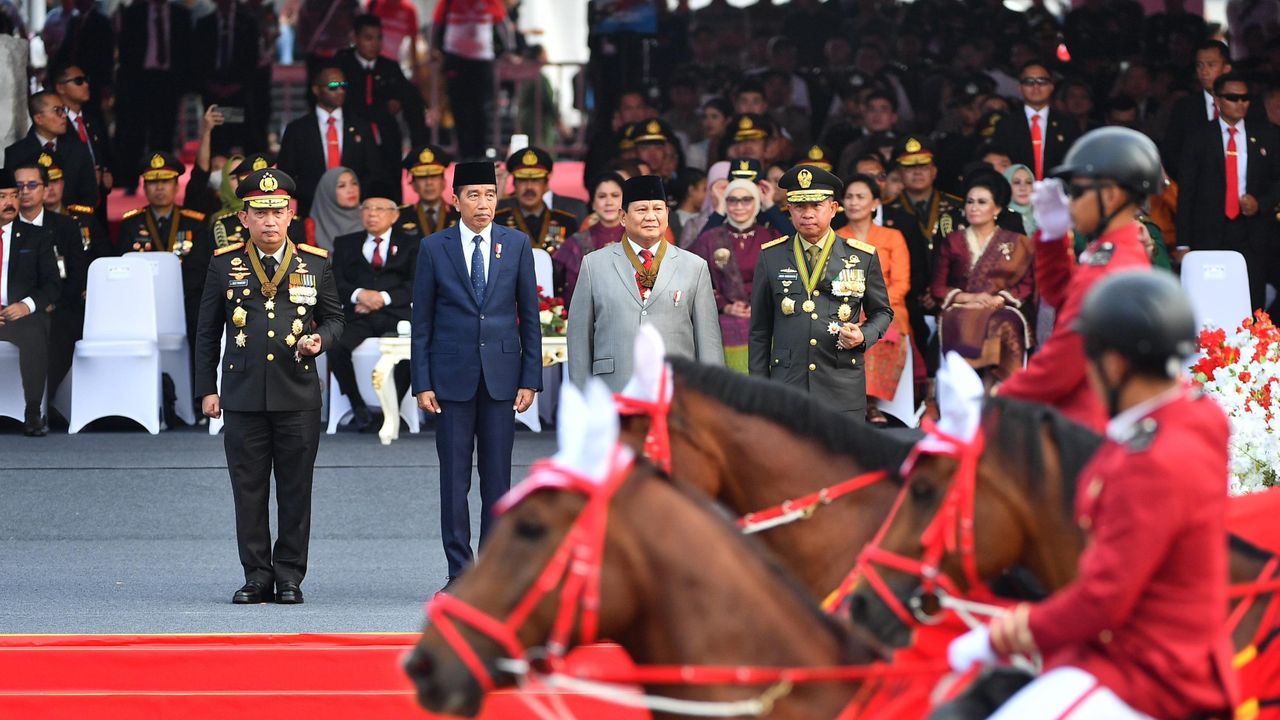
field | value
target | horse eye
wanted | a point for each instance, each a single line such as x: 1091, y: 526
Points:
x: 921, y: 491
x: 530, y: 529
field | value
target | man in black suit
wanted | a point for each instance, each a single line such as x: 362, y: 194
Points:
x: 1230, y: 185
x: 278, y: 307
x: 86, y: 123
x: 154, y: 71
x: 1037, y: 137
x: 28, y: 284
x: 326, y: 138
x: 1192, y: 112
x: 49, y: 132
x: 89, y: 42
x: 225, y: 55
x: 379, y: 92
x: 66, y: 312
x: 374, y: 270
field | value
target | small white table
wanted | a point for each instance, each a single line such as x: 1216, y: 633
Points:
x: 555, y: 350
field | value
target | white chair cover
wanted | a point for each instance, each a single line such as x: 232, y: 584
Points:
x: 363, y: 359
x: 116, y: 367
x: 171, y: 319
x: 903, y: 404
x: 1218, y: 283
x: 13, y: 403
x: 543, y: 272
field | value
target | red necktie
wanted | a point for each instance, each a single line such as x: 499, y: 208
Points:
x: 1233, y: 182
x: 646, y: 259
x: 49, y: 146
x: 376, y: 262
x: 331, y: 141
x: 1037, y: 145
x: 1, y: 261
x: 84, y: 136
x: 368, y: 88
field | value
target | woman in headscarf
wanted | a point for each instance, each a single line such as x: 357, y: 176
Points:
x: 717, y: 181
x: 731, y: 250
x: 336, y: 209
x: 885, y: 361
x: 1022, y: 181
x: 606, y: 208
x: 985, y: 283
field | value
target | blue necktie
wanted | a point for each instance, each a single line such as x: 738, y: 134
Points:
x: 477, y: 270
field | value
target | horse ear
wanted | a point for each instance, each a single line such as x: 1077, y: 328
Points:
x: 650, y: 361
x: 960, y: 395
x: 587, y: 429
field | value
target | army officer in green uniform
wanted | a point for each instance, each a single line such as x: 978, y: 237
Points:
x: 818, y: 301
x: 278, y: 305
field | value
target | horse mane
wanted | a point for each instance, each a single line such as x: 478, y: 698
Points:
x: 798, y: 412
x: 1017, y: 430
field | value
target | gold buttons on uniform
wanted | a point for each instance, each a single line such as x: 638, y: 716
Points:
x: 271, y: 333
x: 231, y: 366
x: 853, y: 361
x: 271, y: 316
x: 270, y: 357
x: 812, y: 367
x: 814, y: 316
x: 302, y: 309
x: 813, y: 341
x: 246, y: 292
x: 816, y: 293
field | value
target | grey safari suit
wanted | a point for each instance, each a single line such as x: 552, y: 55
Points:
x: 606, y: 313
x: 797, y: 348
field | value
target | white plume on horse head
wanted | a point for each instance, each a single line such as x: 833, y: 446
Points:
x: 650, y: 363
x: 587, y: 430
x: 960, y: 396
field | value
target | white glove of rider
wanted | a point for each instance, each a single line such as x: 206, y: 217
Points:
x: 970, y: 648
x: 1050, y: 206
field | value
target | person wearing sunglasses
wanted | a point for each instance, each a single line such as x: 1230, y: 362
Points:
x: 48, y: 133
x: 1039, y: 136
x: 1230, y: 184
x: 1098, y: 191
x: 327, y: 138
x: 86, y: 123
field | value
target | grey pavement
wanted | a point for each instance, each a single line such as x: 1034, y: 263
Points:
x: 124, y: 532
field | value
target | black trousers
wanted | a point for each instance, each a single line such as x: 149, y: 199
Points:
x: 459, y: 427
x: 255, y: 444
x: 66, y: 326
x: 470, y: 87
x: 147, y: 119
x: 1235, y: 236
x: 358, y: 329
x: 31, y: 336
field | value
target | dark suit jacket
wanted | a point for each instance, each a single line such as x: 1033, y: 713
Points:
x: 389, y: 83
x: 395, y: 277
x: 1013, y: 134
x: 1202, y: 189
x: 95, y: 127
x: 33, y: 269
x: 302, y: 155
x: 80, y: 180
x: 64, y: 233
x: 134, y: 32
x: 90, y: 45
x: 243, y: 60
x: 455, y: 338
x: 1186, y: 117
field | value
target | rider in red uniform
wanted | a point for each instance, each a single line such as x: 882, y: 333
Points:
x: 1107, y: 175
x: 1141, y: 631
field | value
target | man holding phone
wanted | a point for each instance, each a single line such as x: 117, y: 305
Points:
x: 226, y: 56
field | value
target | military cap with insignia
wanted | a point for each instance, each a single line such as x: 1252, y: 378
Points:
x: 643, y: 187
x: 987, y: 124
x: 913, y: 151
x: 816, y: 156
x: 163, y: 166
x: 530, y: 164
x: 52, y: 164
x: 746, y: 169
x: 653, y: 131
x: 252, y: 164
x: 750, y: 126
x: 266, y: 189
x: 426, y: 161
x: 627, y: 136
x: 808, y: 183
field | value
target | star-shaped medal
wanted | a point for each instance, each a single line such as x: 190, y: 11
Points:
x: 271, y: 304
x: 241, y: 339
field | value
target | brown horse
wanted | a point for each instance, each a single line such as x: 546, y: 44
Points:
x: 678, y: 584
x: 751, y: 444
x: 1023, y: 517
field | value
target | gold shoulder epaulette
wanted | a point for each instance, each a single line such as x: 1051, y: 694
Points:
x: 132, y: 213
x: 777, y: 241
x: 222, y: 215
x: 867, y: 248
x: 227, y: 249
x: 956, y: 199
x: 312, y: 249
x: 82, y: 209
x: 564, y: 213
x: 193, y: 214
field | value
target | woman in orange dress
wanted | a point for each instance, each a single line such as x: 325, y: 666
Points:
x: 886, y: 360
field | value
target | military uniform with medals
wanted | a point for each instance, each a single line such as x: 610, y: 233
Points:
x: 549, y: 228
x: 269, y: 393
x: 799, y: 305
x: 420, y: 218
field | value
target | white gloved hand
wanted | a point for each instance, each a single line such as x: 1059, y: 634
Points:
x: 971, y: 647
x: 1051, y: 208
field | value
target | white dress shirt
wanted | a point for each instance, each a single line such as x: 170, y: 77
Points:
x: 1210, y: 109
x: 1121, y: 427
x: 637, y: 249
x: 4, y: 270
x: 1044, y: 118
x: 1242, y: 153
x: 38, y: 220
x: 323, y: 116
x: 486, y: 238
x: 278, y: 255
x: 367, y: 250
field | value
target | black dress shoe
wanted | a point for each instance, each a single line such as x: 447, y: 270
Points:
x: 253, y: 592
x: 361, y: 419
x: 288, y: 593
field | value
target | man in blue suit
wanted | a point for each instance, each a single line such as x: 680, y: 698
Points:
x: 477, y: 351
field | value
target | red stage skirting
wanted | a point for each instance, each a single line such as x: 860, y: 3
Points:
x: 318, y: 677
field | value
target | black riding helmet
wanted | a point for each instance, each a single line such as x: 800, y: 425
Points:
x: 1144, y: 316
x: 1115, y: 153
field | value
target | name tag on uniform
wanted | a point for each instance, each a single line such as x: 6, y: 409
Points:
x: 238, y: 283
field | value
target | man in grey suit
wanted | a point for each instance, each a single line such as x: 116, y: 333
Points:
x: 641, y: 280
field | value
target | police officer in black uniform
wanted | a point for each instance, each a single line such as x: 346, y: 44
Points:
x: 226, y: 226
x: 430, y: 214
x: 278, y: 305
x: 809, y: 296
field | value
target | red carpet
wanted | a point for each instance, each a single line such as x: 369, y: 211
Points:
x: 317, y: 677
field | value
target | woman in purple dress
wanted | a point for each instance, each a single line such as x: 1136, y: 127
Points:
x: 731, y: 250
x: 606, y: 212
